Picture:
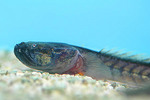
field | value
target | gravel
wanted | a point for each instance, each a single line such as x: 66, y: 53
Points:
x: 18, y: 82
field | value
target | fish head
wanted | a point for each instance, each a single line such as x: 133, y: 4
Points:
x: 47, y: 56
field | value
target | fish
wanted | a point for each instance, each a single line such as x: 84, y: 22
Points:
x: 62, y: 58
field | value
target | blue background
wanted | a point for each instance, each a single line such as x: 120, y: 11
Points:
x: 94, y: 24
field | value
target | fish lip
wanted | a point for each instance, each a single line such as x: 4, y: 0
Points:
x: 16, y: 49
x: 27, y: 60
x: 22, y: 56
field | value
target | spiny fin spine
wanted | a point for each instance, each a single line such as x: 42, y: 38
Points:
x: 126, y: 57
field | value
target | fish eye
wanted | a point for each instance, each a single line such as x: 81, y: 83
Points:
x: 34, y: 45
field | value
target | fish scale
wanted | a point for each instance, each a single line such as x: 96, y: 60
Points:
x: 64, y: 58
x: 135, y: 71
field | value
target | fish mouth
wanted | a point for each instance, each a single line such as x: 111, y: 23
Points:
x: 20, y: 53
x: 23, y: 54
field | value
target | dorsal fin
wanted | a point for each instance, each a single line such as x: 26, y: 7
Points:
x: 128, y: 57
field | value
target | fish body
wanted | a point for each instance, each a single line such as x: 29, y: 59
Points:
x: 63, y: 58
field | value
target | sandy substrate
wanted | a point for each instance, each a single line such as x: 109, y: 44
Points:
x: 18, y: 82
